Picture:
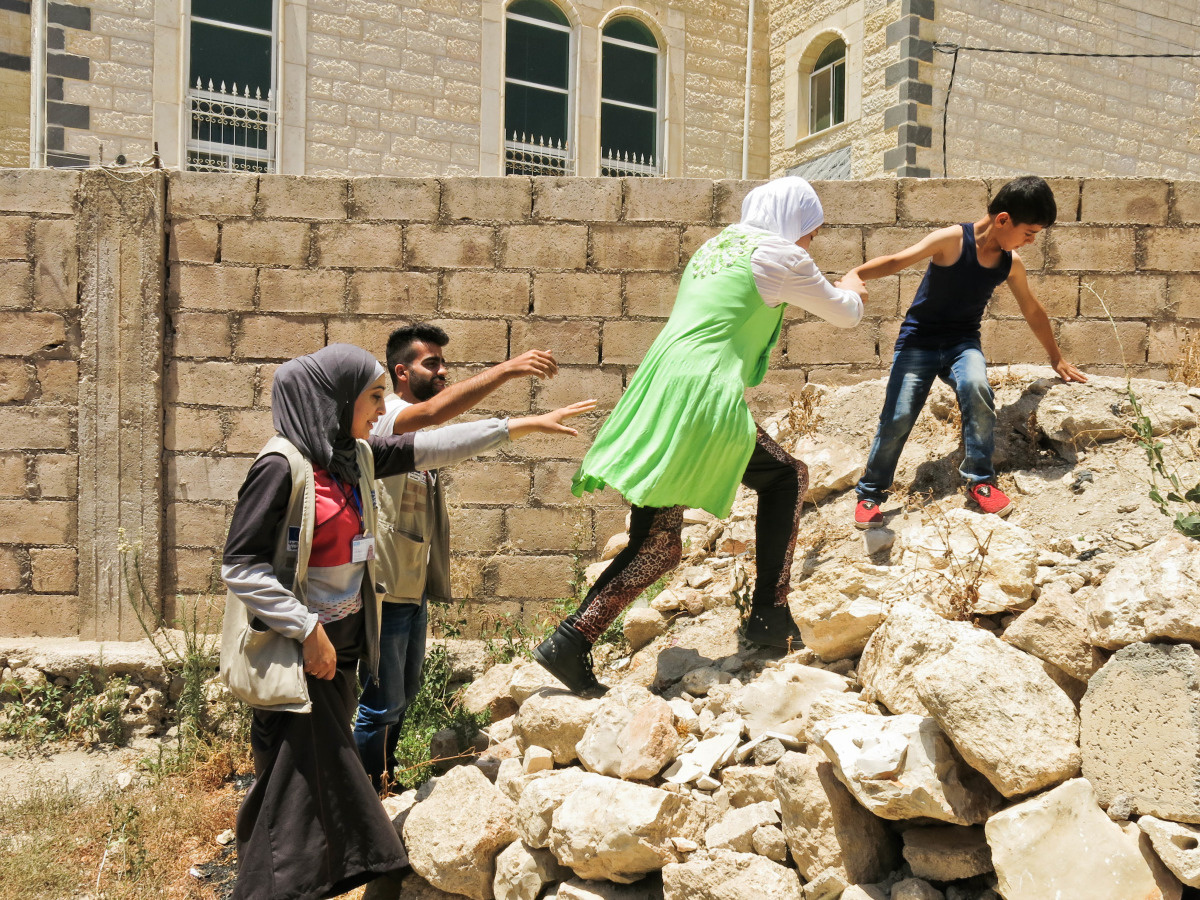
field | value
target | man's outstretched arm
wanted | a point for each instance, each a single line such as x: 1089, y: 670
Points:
x: 458, y: 398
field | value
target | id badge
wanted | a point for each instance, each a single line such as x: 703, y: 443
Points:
x: 293, y: 539
x: 362, y: 548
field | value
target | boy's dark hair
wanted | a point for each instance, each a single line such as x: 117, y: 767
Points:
x: 400, y: 344
x: 1028, y: 200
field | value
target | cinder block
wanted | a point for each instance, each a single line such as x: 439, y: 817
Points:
x: 56, y: 266
x: 838, y: 250
x: 214, y: 287
x: 194, y: 240
x: 510, y: 398
x: 694, y: 237
x: 632, y: 247
x: 12, y: 475
x: 249, y: 430
x: 16, y: 380
x: 197, y: 524
x: 552, y: 486
x: 669, y: 200
x: 577, y: 199
x: 11, y: 576
x: 1185, y: 203
x: 489, y: 482
x: 483, y: 341
x: 1183, y: 295
x: 940, y: 201
x: 1125, y: 201
x: 1033, y: 257
x: 533, y: 576
x: 1091, y: 248
x: 1007, y: 341
x: 14, y: 237
x: 53, y: 570
x: 190, y: 430
x: 728, y: 194
x: 395, y: 199
x: 607, y: 521
x: 26, y: 333
x: 885, y: 295
x: 373, y: 246
x: 559, y: 446
x: 265, y: 243
x: 301, y: 197
x: 210, y: 194
x: 576, y: 294
x: 200, y: 334
x: 1139, y: 728
x: 1126, y: 296
x: 191, y: 570
x: 503, y: 198
x: 886, y: 241
x: 56, y: 474
x: 486, y: 293
x: 14, y: 284
x: 1059, y: 294
x: 625, y: 342
x: 573, y: 384
x: 573, y: 341
x: 776, y: 392
x: 278, y: 337
x: 40, y: 615
x: 455, y: 247
x: 40, y: 191
x: 206, y: 477
x: 1171, y: 249
x: 813, y: 343
x: 838, y: 376
x: 476, y: 529
x: 393, y: 293
x: 650, y: 295
x: 543, y: 247
x: 210, y: 383
x: 548, y: 529
x: 1096, y: 341
x: 301, y: 291
x: 1066, y: 196
x: 1166, y: 343
x: 370, y: 334
x: 38, y: 521
x: 869, y: 202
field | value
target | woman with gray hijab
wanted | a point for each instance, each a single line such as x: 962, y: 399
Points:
x: 300, y: 556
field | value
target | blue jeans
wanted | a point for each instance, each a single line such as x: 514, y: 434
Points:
x: 961, y: 366
x: 384, y: 699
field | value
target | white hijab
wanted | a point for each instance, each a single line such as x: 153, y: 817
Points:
x: 787, y: 206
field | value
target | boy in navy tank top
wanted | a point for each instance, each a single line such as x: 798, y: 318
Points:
x: 940, y: 337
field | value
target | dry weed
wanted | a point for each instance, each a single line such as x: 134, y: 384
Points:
x: 1186, y: 367
x: 804, y: 415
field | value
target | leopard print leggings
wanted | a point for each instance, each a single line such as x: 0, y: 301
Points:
x: 655, y: 547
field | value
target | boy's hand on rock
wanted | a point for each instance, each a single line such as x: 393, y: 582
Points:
x: 1068, y: 372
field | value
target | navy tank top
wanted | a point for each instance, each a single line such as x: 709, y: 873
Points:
x: 949, y: 303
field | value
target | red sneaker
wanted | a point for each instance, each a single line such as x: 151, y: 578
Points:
x: 990, y: 498
x: 867, y: 514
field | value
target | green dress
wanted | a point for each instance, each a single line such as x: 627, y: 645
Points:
x: 682, y: 434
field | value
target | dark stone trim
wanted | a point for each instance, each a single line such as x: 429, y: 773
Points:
x: 70, y: 15
x: 915, y: 92
x: 912, y: 92
x: 67, y: 160
x: 916, y: 48
x: 14, y: 61
x: 912, y: 133
x: 69, y: 115
x: 922, y: 8
x: 904, y: 155
x: 908, y: 26
x: 17, y: 6
x: 895, y: 116
x: 69, y: 66
x: 56, y: 138
x: 56, y: 39
x: 913, y: 172
x: 54, y: 88
x: 902, y: 71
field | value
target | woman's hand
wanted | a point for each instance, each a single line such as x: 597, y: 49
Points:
x: 320, y: 659
x: 549, y: 423
x: 851, y: 282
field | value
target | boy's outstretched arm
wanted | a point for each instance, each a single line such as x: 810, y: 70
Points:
x: 942, y: 247
x: 1039, y: 321
x: 458, y: 398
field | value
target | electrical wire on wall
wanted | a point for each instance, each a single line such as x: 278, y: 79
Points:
x: 954, y: 50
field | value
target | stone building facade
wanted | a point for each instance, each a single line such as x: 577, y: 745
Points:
x: 402, y: 88
x: 968, y: 88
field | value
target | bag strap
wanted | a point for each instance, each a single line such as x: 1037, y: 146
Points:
x: 301, y: 514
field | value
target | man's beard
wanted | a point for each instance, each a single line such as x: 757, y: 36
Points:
x: 425, y: 388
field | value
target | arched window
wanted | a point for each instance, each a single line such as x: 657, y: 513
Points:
x: 537, y: 90
x: 629, y: 99
x: 827, y: 88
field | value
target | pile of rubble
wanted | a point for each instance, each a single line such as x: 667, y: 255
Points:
x: 981, y: 708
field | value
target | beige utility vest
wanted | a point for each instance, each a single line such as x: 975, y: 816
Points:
x: 414, y: 538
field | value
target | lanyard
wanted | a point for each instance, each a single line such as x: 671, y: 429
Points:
x: 354, y: 498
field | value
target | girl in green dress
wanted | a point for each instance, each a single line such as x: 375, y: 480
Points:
x: 682, y: 434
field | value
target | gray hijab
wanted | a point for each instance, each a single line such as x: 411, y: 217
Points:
x: 312, y: 404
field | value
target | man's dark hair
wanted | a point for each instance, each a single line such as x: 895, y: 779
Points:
x: 1028, y: 200
x: 400, y: 345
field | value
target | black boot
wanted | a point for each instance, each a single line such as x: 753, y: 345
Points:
x: 772, y: 626
x: 567, y: 655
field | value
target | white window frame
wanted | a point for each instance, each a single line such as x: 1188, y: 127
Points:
x: 509, y: 142
x: 832, y: 69
x: 657, y: 166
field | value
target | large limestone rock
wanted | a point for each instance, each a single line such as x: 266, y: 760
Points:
x: 726, y: 875
x: 642, y: 625
x: 1140, y: 726
x: 598, y: 749
x: 1055, y: 630
x: 528, y: 679
x: 491, y: 691
x: 454, y: 835
x: 578, y: 889
x: 947, y: 853
x: 833, y: 465
x: 837, y: 609
x: 1177, y: 845
x: 649, y: 741
x: 903, y: 767
x: 1154, y: 595
x: 780, y: 698
x: 909, y: 636
x: 1076, y: 415
x: 1004, y: 714
x: 540, y: 799
x: 826, y: 828
x: 735, y: 830
x: 749, y: 784
x: 1061, y: 844
x: 522, y: 871
x: 616, y: 830
x: 708, y: 641
x: 554, y: 719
